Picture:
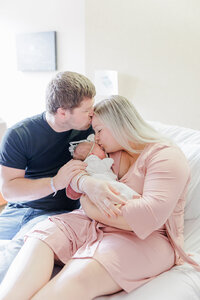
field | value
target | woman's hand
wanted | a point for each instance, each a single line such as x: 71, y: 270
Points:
x: 67, y: 172
x: 93, y: 213
x: 104, y: 196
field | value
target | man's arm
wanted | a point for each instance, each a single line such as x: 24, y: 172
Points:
x: 15, y: 187
x: 94, y: 213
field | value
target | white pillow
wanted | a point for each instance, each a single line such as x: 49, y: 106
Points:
x: 192, y: 153
x: 177, y: 133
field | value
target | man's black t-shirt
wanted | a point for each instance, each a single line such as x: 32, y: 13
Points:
x: 32, y: 145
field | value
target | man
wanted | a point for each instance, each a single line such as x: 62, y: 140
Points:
x: 35, y: 162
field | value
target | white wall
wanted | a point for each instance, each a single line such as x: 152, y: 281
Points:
x: 22, y: 93
x: 155, y: 47
x: 153, y: 44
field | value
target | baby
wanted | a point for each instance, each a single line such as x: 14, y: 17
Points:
x: 99, y: 166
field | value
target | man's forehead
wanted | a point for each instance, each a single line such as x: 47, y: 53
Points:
x: 87, y: 102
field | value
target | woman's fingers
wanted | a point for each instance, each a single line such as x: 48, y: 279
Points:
x: 104, y: 196
x: 115, y: 198
x: 136, y: 196
x: 109, y: 209
x: 110, y: 205
x: 115, y: 191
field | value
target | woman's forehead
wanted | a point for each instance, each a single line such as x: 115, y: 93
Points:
x: 96, y: 121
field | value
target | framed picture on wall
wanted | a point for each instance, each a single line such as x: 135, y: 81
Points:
x: 36, y: 51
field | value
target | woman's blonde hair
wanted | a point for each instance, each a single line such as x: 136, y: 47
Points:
x: 127, y: 126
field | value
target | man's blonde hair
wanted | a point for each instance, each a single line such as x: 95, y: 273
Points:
x: 127, y: 126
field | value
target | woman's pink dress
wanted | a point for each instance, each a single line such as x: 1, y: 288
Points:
x: 160, y: 175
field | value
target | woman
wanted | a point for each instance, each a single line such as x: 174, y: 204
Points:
x: 107, y: 247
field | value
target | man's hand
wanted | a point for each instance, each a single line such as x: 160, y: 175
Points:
x: 67, y: 172
x: 103, y: 195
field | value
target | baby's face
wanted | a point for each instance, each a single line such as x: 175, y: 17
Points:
x: 98, y: 151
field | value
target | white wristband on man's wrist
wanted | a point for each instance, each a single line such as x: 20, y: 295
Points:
x: 53, y: 187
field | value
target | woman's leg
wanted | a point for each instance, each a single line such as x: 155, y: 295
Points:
x: 29, y: 272
x: 80, y: 279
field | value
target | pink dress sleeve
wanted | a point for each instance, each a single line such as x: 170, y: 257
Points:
x: 72, y: 194
x: 165, y: 180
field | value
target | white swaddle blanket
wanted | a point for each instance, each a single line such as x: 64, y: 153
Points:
x: 101, y: 169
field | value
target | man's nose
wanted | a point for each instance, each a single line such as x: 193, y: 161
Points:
x: 91, y: 112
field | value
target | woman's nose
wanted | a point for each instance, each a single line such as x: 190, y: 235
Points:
x: 96, y: 139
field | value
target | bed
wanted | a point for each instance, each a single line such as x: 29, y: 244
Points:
x: 181, y: 282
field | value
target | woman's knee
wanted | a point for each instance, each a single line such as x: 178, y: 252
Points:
x: 65, y: 285
x: 78, y: 278
x: 85, y: 276
x: 80, y: 286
